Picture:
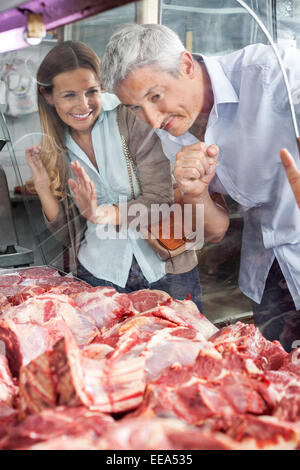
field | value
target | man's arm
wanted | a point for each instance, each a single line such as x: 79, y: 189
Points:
x: 292, y: 173
x: 194, y: 169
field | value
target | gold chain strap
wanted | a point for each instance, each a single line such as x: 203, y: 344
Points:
x: 129, y: 162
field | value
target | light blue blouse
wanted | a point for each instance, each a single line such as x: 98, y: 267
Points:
x: 111, y: 258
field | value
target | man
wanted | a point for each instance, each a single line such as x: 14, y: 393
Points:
x: 292, y: 173
x: 238, y: 102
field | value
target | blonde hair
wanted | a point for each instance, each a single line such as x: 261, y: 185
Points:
x: 64, y: 57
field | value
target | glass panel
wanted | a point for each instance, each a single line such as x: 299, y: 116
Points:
x: 258, y: 225
x: 215, y: 27
x: 20, y: 128
x: 288, y: 21
x: 96, y: 30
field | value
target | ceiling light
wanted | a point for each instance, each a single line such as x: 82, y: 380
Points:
x: 35, y: 31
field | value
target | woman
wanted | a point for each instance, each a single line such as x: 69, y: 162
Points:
x: 80, y: 124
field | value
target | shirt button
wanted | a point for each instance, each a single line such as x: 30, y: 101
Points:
x: 238, y: 196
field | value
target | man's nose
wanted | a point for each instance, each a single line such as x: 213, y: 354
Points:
x: 153, y: 116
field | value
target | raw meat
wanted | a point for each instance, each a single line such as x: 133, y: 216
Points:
x: 96, y: 351
x: 65, y: 376
x: 263, y: 433
x: 160, y: 349
x: 8, y: 419
x: 180, y: 312
x: 38, y: 272
x: 41, y: 309
x: 184, y: 313
x: 159, y: 433
x: 8, y: 389
x: 195, y: 401
x: 166, y: 374
x: 25, y: 294
x: 146, y: 299
x: 241, y: 338
x: 53, y: 423
x: 141, y: 327
x: 25, y: 341
x: 9, y: 279
x: 105, y: 305
x: 69, y: 287
x: 4, y: 303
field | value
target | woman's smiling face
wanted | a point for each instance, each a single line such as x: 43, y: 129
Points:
x: 76, y: 96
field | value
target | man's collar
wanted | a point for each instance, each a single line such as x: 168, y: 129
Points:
x: 222, y: 89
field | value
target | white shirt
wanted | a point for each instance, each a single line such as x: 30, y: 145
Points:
x: 110, y: 258
x: 250, y: 122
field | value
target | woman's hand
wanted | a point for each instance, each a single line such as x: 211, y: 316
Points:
x: 39, y: 174
x: 86, y: 199
x: 195, y: 167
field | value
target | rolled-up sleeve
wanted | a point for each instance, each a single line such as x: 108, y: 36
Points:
x: 59, y: 226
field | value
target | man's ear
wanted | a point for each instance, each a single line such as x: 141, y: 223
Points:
x: 46, y: 95
x: 187, y: 66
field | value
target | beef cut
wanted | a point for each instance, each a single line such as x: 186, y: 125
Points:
x: 56, y: 423
x: 66, y: 376
x: 8, y: 389
x: 147, y: 299
x: 160, y: 433
x: 24, y: 294
x: 180, y: 312
x: 105, y: 305
x: 38, y: 272
x: 240, y: 338
x: 42, y: 308
x: 4, y: 303
x: 22, y: 342
x: 8, y: 419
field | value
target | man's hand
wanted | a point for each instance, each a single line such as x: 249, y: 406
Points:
x: 292, y: 173
x: 86, y: 199
x: 195, y: 167
x: 39, y: 174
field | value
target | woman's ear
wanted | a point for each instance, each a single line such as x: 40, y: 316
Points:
x: 46, y: 95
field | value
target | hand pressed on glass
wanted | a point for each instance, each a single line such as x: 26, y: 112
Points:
x: 40, y: 176
x: 86, y: 199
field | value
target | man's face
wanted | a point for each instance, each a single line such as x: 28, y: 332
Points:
x: 162, y: 100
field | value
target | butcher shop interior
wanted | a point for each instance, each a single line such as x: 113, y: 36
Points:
x: 120, y: 119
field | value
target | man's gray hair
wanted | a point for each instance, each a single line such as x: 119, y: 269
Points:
x: 138, y: 45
